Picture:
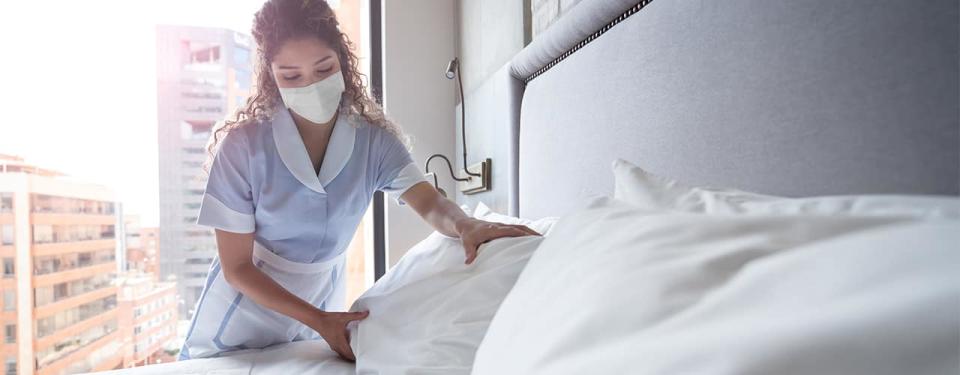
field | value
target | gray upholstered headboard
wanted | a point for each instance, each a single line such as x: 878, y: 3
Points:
x: 794, y: 98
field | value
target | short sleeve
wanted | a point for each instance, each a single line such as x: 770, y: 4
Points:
x: 397, y: 171
x: 228, y: 200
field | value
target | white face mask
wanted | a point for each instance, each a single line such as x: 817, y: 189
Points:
x: 317, y: 102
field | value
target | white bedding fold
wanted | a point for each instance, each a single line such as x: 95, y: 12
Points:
x: 299, y: 357
x: 617, y: 290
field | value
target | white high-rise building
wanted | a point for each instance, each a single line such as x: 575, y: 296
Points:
x: 203, y: 75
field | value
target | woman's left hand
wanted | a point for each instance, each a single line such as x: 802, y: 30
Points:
x: 474, y: 232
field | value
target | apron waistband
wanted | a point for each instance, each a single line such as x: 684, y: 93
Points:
x: 264, y: 254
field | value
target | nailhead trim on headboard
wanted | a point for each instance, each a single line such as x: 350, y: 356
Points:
x: 595, y: 35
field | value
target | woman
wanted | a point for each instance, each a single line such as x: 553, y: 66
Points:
x: 289, y: 180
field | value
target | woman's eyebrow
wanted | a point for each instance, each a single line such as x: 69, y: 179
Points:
x: 295, y: 67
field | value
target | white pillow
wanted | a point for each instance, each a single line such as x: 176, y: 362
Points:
x: 616, y: 289
x: 644, y: 189
x: 542, y: 226
x: 430, y: 311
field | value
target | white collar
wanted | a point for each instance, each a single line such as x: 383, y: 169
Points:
x: 294, y: 155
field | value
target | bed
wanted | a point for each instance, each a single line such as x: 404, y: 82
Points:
x: 734, y: 187
x: 761, y: 115
x: 780, y: 97
x: 299, y: 357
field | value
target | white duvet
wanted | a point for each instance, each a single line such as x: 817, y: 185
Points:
x: 620, y: 290
x: 429, y: 313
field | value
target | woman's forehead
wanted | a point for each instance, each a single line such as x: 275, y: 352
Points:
x: 302, y: 51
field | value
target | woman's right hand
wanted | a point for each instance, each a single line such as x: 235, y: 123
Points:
x: 332, y: 326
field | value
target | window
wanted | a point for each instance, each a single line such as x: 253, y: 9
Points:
x: 193, y: 179
x: 7, y: 234
x: 241, y: 57
x: 202, y: 108
x: 42, y: 233
x: 197, y: 129
x: 10, y: 333
x: 205, y: 55
x: 6, y: 202
x: 53, y: 293
x: 73, y: 343
x: 198, y: 233
x: 62, y: 262
x: 9, y: 300
x: 60, y: 291
x: 9, y: 268
x: 11, y: 366
x: 63, y: 319
x: 201, y: 95
x: 244, y: 80
x: 54, y: 204
x: 199, y: 53
x: 107, y: 231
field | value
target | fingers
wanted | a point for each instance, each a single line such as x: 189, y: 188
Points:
x: 528, y: 230
x: 339, y: 343
x: 348, y: 317
x: 471, y: 252
x: 344, y: 350
x: 511, y: 231
x: 339, y: 339
x: 493, y: 232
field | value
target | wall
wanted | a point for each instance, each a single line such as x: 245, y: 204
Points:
x: 419, y: 38
x: 546, y: 12
x: 418, y: 41
x: 491, y: 32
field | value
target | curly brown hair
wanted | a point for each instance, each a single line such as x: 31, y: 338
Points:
x: 279, y: 21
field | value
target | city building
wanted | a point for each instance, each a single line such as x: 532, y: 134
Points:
x: 142, y: 247
x: 150, y: 246
x: 58, y: 248
x: 148, y: 319
x: 203, y: 75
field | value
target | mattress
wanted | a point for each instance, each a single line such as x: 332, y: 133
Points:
x: 300, y: 357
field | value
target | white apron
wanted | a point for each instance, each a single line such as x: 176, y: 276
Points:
x: 225, y: 320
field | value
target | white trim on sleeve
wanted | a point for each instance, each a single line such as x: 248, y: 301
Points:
x: 213, y: 213
x: 408, y: 176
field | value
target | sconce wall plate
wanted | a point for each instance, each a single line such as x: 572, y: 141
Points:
x: 476, y: 184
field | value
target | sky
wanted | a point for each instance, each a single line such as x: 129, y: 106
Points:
x: 78, y: 86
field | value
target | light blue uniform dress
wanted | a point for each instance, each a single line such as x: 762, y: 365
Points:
x: 262, y: 181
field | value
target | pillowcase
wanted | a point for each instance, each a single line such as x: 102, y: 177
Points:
x: 644, y: 189
x: 430, y: 311
x: 617, y: 289
x: 542, y: 226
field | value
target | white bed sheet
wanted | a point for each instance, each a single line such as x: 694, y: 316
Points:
x: 299, y: 357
